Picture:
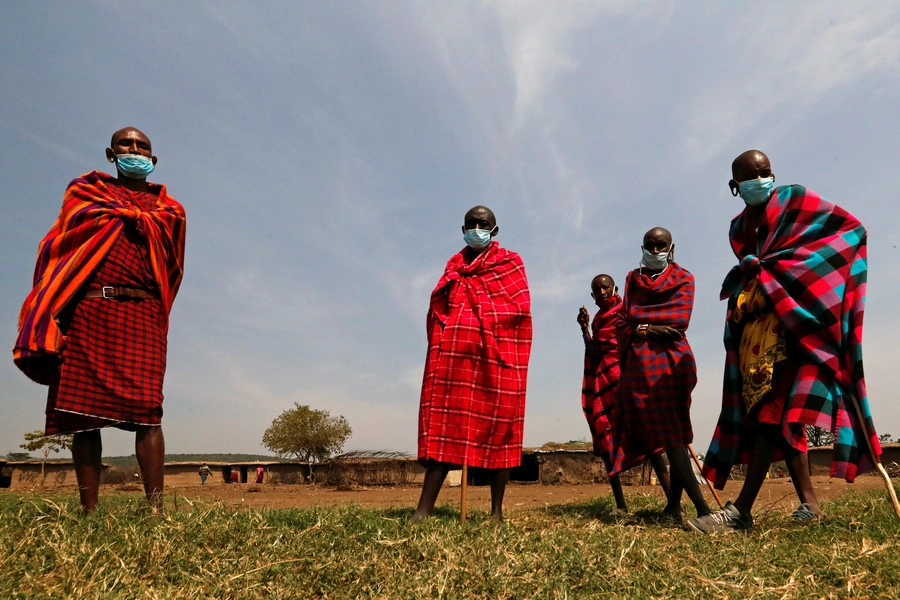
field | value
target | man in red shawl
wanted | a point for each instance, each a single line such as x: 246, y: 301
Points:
x: 94, y: 326
x: 658, y: 372
x: 793, y: 341
x: 472, y: 408
x: 601, y: 379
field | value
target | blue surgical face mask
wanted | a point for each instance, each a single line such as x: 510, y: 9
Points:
x: 655, y: 262
x: 755, y: 192
x: 477, y: 239
x: 134, y: 166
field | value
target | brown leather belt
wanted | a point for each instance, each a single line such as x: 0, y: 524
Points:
x: 109, y: 292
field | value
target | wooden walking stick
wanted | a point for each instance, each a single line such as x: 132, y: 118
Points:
x: 708, y: 482
x: 463, y: 488
x: 875, y: 459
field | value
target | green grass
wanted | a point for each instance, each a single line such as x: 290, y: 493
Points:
x: 47, y: 550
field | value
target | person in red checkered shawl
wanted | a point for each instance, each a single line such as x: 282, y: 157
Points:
x: 601, y: 380
x: 472, y: 408
x: 94, y: 327
x: 657, y: 371
x: 793, y: 342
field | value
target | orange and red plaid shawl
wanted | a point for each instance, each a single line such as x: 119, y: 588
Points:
x: 472, y: 408
x: 90, y: 222
x: 809, y: 257
x: 601, y: 378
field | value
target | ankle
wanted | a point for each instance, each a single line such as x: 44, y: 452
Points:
x: 745, y: 511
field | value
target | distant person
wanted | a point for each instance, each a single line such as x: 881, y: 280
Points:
x: 601, y: 378
x: 472, y: 408
x: 204, y: 473
x: 260, y: 472
x: 94, y: 326
x: 793, y: 342
x: 658, y: 372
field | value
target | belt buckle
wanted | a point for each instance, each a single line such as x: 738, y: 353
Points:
x: 108, y: 292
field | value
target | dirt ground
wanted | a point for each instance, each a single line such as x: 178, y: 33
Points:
x: 775, y: 494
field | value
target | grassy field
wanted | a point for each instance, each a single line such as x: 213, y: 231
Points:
x: 47, y: 550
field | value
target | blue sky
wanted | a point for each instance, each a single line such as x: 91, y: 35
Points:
x: 327, y: 152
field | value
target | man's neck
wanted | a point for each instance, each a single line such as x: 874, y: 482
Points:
x: 655, y: 275
x: 470, y: 253
x: 135, y: 185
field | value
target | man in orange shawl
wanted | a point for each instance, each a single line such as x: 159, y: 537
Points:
x: 472, y: 408
x: 95, y: 324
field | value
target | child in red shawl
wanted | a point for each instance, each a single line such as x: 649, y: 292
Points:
x: 472, y: 409
x: 658, y: 371
x: 601, y: 379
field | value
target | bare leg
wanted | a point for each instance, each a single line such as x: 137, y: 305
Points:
x: 683, y: 477
x: 499, y: 478
x: 760, y: 458
x: 662, y: 472
x: 798, y: 466
x: 86, y: 450
x: 150, y: 448
x: 435, y: 473
x: 616, y: 486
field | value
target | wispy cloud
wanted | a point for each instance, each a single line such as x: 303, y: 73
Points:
x: 782, y: 65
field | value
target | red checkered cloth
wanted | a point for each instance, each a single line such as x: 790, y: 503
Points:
x: 472, y: 408
x: 94, y: 214
x: 601, y: 378
x: 114, y: 358
x: 654, y: 398
x: 809, y: 257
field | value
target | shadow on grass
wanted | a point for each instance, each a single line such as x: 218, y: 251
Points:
x: 446, y: 513
x: 642, y: 511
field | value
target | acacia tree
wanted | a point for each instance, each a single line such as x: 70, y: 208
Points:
x: 817, y: 436
x: 36, y: 440
x: 306, y: 434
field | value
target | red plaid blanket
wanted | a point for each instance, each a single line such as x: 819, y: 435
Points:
x: 654, y: 398
x: 601, y: 378
x: 472, y: 407
x: 91, y: 220
x: 810, y: 258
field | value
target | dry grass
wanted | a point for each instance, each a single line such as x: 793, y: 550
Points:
x: 48, y: 550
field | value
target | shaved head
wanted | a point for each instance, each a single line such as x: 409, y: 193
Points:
x: 603, y: 277
x: 752, y: 164
x: 657, y: 234
x: 130, y: 141
x: 480, y: 213
x: 124, y: 132
x: 602, y: 289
